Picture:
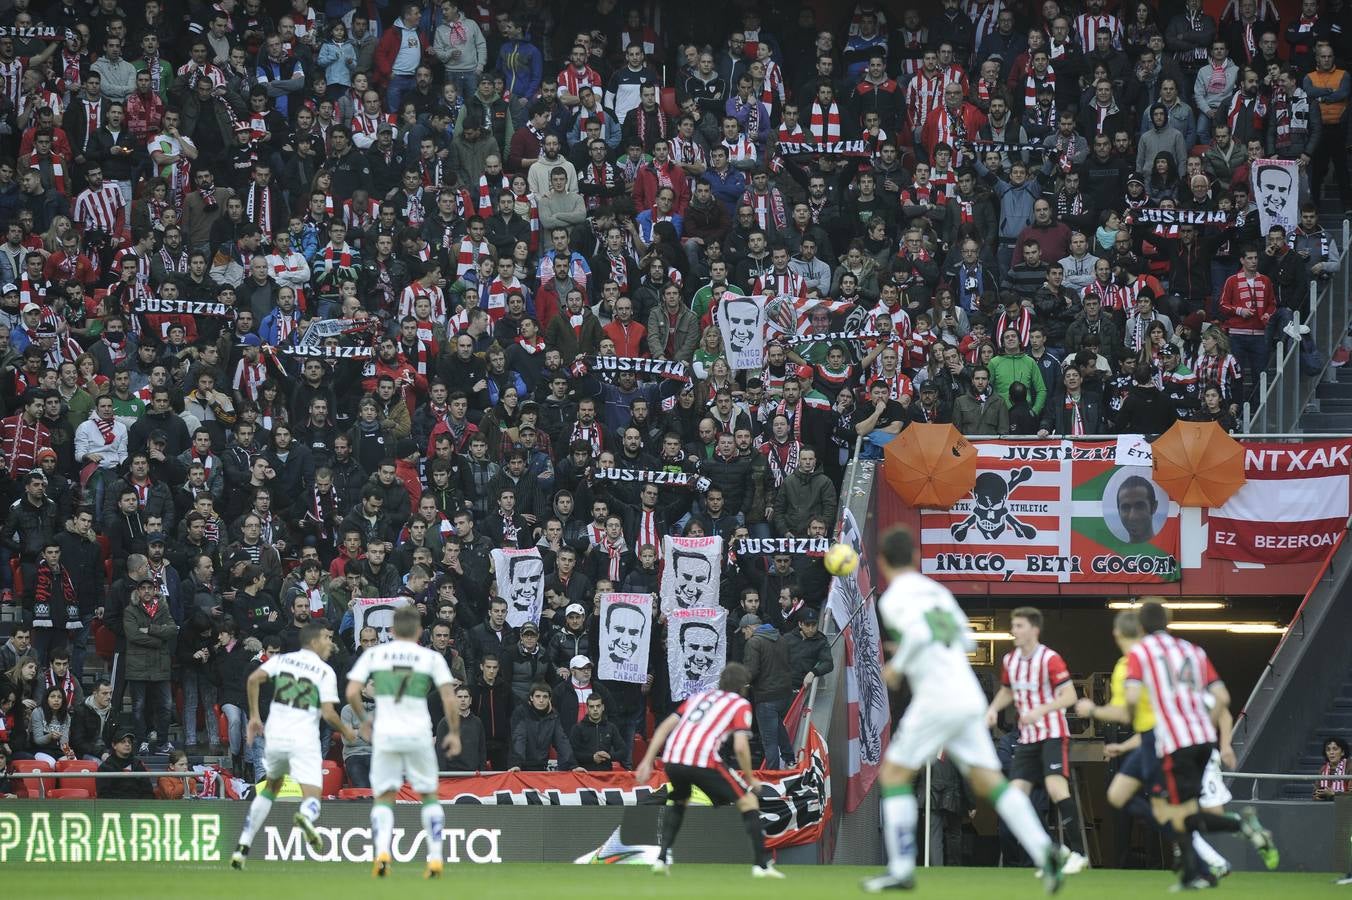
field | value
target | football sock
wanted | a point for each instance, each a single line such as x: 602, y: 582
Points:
x: 1208, y: 853
x: 1205, y: 821
x: 382, y: 828
x: 433, y: 821
x: 672, y: 816
x: 751, y: 821
x: 1070, y: 825
x: 1016, y: 811
x: 899, y: 815
x: 258, y: 812
x: 309, y: 808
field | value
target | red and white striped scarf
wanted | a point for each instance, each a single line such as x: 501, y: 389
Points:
x: 1023, y: 326
x: 782, y: 458
x: 589, y: 433
x: 344, y: 256
x: 768, y: 207
x: 614, y: 551
x: 207, y: 460
x: 1076, y: 418
x: 105, y: 428
x: 772, y: 88
x: 740, y: 150
x: 420, y: 356
x: 1337, y: 786
x: 1032, y: 83
x: 467, y: 255
x: 488, y: 191
x: 368, y: 124
x: 533, y: 217
x: 825, y: 124
x: 497, y: 296
x: 360, y: 218
x: 1259, y: 111
x: 67, y: 683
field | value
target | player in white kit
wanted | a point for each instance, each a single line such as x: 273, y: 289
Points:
x: 947, y: 712
x: 303, y: 688
x: 403, y: 674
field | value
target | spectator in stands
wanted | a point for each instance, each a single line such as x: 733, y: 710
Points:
x: 597, y: 744
x: 1335, y: 763
x: 981, y: 410
x: 357, y: 754
x: 772, y: 685
x: 150, y: 634
x: 473, y: 744
x: 123, y: 759
x: 94, y: 722
x: 808, y: 650
x: 492, y: 703
x: 537, y: 731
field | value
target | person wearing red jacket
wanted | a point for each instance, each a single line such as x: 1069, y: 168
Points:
x: 1248, y: 301
x: 630, y: 338
x: 660, y: 173
x: 954, y: 123
x: 401, y: 50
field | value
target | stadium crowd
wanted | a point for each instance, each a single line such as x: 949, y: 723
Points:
x: 499, y: 200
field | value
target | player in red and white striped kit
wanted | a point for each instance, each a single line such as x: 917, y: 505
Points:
x: 695, y: 737
x: 1035, y: 679
x: 1188, y: 698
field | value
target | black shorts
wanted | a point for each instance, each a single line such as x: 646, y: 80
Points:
x: 1142, y: 764
x: 1181, y: 772
x: 721, y: 786
x: 1034, y: 762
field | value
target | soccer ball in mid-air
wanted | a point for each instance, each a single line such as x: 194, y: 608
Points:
x: 841, y: 559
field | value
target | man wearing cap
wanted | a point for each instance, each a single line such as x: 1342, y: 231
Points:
x: 122, y: 758
x: 572, y: 693
x: 808, y: 650
x: 527, y: 662
x: 150, y: 632
x: 25, y: 331
x: 571, y: 641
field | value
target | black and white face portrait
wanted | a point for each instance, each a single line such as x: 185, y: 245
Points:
x: 525, y: 575
x: 699, y: 650
x: 381, y: 618
x: 625, y: 627
x: 1274, y: 191
x: 742, y: 316
x: 694, y: 575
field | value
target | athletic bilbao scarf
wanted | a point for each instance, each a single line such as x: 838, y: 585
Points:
x: 641, y: 124
x: 105, y: 428
x: 1155, y: 216
x: 467, y: 256
x: 344, y: 257
x: 1292, y: 116
x: 591, y: 434
x: 753, y: 115
x: 619, y: 270
x: 45, y: 601
x: 829, y: 337
x: 782, y: 457
x: 825, y: 124
x: 1032, y: 83
x: 599, y: 175
x: 614, y: 551
x: 258, y: 207
x: 775, y: 546
x: 67, y: 683
x: 487, y: 189
x: 1257, y: 111
x: 1076, y: 419
x: 649, y: 535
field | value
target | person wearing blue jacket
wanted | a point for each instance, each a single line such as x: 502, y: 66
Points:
x: 522, y: 68
x: 338, y: 59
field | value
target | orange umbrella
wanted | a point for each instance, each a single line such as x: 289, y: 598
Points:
x: 1198, y: 464
x: 930, y: 465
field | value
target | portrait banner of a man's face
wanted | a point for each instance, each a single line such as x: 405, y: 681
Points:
x: 377, y: 613
x: 520, y: 576
x: 691, y: 572
x: 697, y: 649
x: 626, y: 632
x: 1276, y: 190
x: 742, y: 323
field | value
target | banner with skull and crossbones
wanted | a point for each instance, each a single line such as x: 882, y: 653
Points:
x: 692, y: 569
x: 1055, y: 511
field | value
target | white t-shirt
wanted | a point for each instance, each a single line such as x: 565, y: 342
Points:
x: 301, y: 684
x: 403, y: 674
x: 933, y: 638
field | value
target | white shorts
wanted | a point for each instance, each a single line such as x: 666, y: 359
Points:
x: 1214, y: 791
x: 924, y: 732
x: 415, y: 762
x: 304, y: 763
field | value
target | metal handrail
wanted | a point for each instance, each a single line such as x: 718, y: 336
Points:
x: 58, y: 774
x: 1283, y: 397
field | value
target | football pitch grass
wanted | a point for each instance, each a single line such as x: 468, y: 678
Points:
x: 337, y: 881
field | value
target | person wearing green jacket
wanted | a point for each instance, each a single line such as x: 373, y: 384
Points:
x: 1015, y: 365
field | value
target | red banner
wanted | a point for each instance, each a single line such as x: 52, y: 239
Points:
x: 795, y: 804
x: 1292, y: 507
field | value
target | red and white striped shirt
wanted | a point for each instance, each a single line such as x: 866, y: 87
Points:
x: 1034, y: 679
x: 707, y: 720
x: 1087, y: 26
x: 409, y: 298
x: 923, y: 96
x: 1177, y: 674
x: 101, y: 209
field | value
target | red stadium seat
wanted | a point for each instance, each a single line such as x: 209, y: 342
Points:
x: 32, y: 788
x: 88, y: 785
x: 68, y: 794
x: 667, y: 100
x: 354, y: 794
x: 333, y: 778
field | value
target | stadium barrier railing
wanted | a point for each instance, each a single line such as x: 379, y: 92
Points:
x: 1283, y: 396
x: 56, y: 776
